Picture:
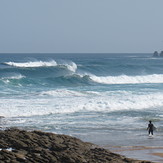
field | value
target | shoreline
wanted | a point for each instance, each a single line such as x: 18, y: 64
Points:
x: 136, y: 152
x: 37, y: 146
x: 158, y: 154
x: 151, y: 153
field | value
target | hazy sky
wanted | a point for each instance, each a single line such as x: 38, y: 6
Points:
x: 81, y: 26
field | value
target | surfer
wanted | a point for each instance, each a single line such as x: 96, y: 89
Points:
x: 150, y: 128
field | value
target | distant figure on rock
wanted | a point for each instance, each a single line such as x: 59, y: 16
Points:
x: 150, y: 128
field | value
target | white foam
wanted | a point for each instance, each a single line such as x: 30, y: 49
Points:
x: 124, y: 79
x: 64, y: 101
x: 13, y: 76
x: 63, y: 93
x: 33, y: 64
x: 71, y: 66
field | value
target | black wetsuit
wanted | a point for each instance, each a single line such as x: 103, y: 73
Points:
x: 150, y: 128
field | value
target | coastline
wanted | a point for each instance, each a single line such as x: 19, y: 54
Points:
x: 137, y: 146
x: 37, y: 146
x: 151, y: 153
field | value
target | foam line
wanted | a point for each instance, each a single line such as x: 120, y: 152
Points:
x: 32, y: 64
x: 71, y: 66
x: 124, y: 79
x: 74, y: 101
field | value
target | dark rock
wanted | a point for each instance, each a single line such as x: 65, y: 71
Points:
x: 155, y: 54
x: 37, y: 146
x: 161, y: 54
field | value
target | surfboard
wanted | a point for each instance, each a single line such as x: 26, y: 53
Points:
x: 150, y: 136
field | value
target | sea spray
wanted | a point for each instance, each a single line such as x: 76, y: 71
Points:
x: 32, y: 64
x: 70, y: 65
x: 124, y: 79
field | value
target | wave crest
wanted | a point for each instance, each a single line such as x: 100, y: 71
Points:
x: 32, y: 64
x: 69, y: 101
x: 13, y: 76
x: 124, y: 79
x: 71, y: 66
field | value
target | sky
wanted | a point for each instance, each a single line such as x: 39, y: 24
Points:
x: 81, y: 26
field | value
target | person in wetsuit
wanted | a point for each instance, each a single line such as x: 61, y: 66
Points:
x: 150, y: 128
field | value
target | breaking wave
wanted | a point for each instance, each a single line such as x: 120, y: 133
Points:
x: 71, y: 66
x: 69, y: 101
x: 32, y: 64
x: 76, y: 79
x: 14, y: 76
x: 124, y: 79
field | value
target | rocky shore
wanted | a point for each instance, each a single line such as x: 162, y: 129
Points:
x: 41, y: 147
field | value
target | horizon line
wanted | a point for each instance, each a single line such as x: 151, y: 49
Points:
x: 76, y: 52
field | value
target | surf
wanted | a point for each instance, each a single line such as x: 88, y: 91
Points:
x: 32, y: 64
x: 124, y: 79
x: 71, y: 66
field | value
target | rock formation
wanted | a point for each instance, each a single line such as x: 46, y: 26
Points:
x: 41, y: 147
x: 161, y: 54
x: 155, y: 54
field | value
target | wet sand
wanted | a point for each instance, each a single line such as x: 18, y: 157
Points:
x: 150, y: 153
x: 158, y: 154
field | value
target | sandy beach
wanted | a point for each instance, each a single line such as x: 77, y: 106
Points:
x: 149, y: 153
x: 137, y: 146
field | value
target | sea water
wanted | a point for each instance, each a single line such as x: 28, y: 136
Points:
x: 101, y: 98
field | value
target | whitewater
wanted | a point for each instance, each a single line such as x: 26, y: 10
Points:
x: 90, y: 96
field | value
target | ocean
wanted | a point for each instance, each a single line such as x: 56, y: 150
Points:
x: 100, y: 98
